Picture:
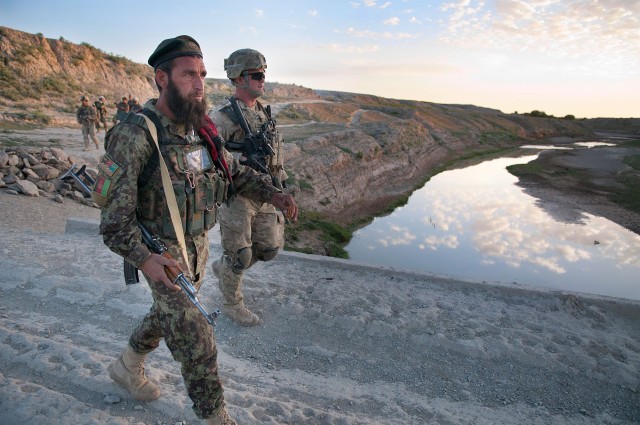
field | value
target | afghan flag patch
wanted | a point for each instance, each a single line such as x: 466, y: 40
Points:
x: 102, y: 186
x: 108, y: 166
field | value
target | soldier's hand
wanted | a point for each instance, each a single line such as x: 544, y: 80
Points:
x: 286, y: 204
x: 154, y: 268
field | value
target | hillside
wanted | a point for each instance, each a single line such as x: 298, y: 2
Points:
x: 351, y: 156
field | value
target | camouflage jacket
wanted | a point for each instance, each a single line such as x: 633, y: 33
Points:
x: 231, y: 131
x: 86, y: 115
x: 102, y: 110
x: 200, y: 189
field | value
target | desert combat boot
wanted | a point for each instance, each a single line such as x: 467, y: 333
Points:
x: 229, y: 284
x: 128, y: 371
x: 220, y: 417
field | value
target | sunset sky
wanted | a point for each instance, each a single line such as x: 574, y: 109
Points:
x: 579, y: 57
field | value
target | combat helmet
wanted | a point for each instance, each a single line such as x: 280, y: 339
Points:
x: 243, y: 59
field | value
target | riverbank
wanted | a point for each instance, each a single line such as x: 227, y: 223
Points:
x: 602, y: 181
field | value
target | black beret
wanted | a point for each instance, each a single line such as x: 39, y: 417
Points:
x: 182, y: 45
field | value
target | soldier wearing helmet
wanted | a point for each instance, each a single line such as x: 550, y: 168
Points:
x: 250, y: 231
x: 87, y: 116
x: 101, y: 108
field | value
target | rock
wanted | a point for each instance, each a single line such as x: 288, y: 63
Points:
x: 14, y: 160
x: 10, y: 179
x: 46, y: 186
x: 111, y: 399
x: 46, y: 172
x: 4, y: 158
x: 28, y: 188
x: 58, y: 198
x: 30, y: 175
x: 60, y: 154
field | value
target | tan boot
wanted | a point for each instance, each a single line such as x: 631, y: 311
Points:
x: 128, y: 371
x: 220, y: 417
x: 240, y: 314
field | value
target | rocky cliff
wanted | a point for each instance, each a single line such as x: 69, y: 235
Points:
x: 349, y: 155
x: 42, y: 79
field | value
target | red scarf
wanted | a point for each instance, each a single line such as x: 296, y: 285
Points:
x: 209, y: 132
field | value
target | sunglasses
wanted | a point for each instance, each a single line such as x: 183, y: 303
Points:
x: 257, y: 76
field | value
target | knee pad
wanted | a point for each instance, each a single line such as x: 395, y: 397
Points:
x: 267, y: 254
x: 242, y: 260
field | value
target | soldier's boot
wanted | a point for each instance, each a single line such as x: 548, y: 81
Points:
x: 128, y: 371
x: 220, y: 417
x: 230, y: 286
x: 240, y: 314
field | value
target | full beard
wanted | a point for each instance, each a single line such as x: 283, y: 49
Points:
x: 188, y: 112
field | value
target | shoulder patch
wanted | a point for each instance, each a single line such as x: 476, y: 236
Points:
x: 109, y: 172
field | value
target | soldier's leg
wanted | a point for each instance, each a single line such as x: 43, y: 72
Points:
x: 85, y: 136
x: 267, y: 234
x: 191, y: 341
x: 235, y: 229
x: 92, y: 133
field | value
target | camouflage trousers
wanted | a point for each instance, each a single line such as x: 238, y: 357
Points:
x: 191, y: 341
x: 88, y: 130
x: 250, y: 231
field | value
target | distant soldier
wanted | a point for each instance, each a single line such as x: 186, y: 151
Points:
x: 101, y: 108
x: 135, y: 106
x: 122, y: 109
x: 251, y: 231
x: 87, y: 116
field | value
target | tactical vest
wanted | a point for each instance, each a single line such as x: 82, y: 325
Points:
x: 199, y: 187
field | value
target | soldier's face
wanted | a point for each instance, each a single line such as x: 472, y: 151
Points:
x: 185, y: 91
x: 254, y: 82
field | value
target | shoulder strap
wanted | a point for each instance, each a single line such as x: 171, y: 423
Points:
x: 152, y: 164
x: 168, y: 190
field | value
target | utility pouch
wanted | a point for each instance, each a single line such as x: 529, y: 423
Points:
x: 181, y: 199
x: 195, y: 217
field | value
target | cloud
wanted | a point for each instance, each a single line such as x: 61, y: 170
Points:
x: 352, y: 32
x: 384, y: 6
x: 259, y: 13
x: 392, y: 21
x: 341, y: 48
x: 415, y: 20
x: 398, y: 236
x: 601, y: 30
x: 313, y: 13
x: 369, y: 3
x: 250, y: 30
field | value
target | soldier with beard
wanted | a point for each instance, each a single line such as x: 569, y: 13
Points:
x: 131, y: 191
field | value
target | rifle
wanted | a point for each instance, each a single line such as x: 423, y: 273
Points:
x: 175, y: 273
x: 256, y: 147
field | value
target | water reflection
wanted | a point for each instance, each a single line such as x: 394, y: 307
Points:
x: 476, y: 223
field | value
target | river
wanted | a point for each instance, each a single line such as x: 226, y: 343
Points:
x: 476, y: 223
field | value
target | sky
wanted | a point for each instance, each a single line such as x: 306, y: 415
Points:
x: 578, y: 57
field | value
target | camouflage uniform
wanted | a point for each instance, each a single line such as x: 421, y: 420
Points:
x: 102, y: 113
x: 250, y: 231
x: 121, y: 111
x: 200, y: 188
x: 88, y: 117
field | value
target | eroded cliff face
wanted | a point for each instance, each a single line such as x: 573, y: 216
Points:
x: 50, y: 76
x: 378, y: 150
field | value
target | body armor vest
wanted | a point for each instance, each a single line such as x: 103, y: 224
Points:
x: 199, y: 187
